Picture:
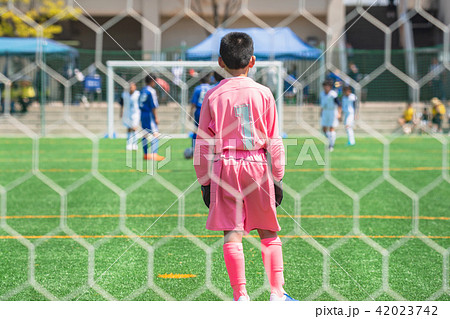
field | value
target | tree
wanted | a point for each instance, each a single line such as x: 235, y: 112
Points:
x: 13, y: 24
x: 221, y: 9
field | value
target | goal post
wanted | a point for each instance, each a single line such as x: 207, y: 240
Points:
x: 181, y: 83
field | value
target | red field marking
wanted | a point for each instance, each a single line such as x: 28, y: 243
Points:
x: 176, y: 276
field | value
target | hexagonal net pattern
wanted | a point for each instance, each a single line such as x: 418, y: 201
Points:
x: 312, y: 72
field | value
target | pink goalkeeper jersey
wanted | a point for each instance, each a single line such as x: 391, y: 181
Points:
x: 238, y: 114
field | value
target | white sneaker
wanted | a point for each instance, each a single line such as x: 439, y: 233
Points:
x: 134, y: 147
x: 129, y: 147
x: 331, y: 149
x: 244, y: 298
x: 285, y: 297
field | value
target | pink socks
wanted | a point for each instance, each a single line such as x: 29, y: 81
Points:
x: 273, y: 263
x: 234, y: 261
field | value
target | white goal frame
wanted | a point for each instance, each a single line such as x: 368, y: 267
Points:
x: 113, y: 77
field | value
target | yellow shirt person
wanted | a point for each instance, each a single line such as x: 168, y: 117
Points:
x: 408, y: 114
x: 407, y: 119
x: 438, y: 113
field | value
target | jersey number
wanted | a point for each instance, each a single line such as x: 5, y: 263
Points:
x: 202, y: 96
x: 243, y: 112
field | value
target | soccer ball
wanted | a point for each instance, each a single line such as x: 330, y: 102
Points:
x: 189, y: 153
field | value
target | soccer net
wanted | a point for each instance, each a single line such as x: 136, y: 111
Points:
x: 176, y: 81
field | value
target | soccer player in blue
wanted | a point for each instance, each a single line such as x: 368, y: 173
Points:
x: 330, y: 112
x: 349, y: 109
x: 197, y: 100
x: 148, y: 103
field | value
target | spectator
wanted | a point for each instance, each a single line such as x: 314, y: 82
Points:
x: 438, y: 113
x: 26, y: 94
x: 353, y: 72
x: 424, y: 120
x: 407, y: 119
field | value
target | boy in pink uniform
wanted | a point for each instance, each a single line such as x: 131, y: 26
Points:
x: 237, y: 133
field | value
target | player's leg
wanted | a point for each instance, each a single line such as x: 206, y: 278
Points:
x: 129, y: 139
x: 273, y: 260
x: 226, y: 214
x: 327, y: 124
x: 349, y: 119
x: 145, y: 123
x: 334, y: 122
x: 134, y: 127
x: 134, y: 143
x: 332, y: 137
x: 350, y: 135
x: 154, y: 141
x: 259, y: 204
x: 233, y: 255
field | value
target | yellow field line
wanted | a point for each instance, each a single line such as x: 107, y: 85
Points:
x: 358, y: 169
x: 205, y: 215
x: 216, y: 236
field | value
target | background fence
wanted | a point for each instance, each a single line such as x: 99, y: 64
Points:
x: 386, y: 87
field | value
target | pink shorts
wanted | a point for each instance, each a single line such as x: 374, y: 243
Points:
x: 242, y: 193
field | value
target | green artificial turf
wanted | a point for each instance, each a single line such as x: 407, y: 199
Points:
x: 104, y: 201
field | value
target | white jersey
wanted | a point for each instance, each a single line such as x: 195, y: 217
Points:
x: 131, y: 112
x: 328, y: 101
x: 349, y: 104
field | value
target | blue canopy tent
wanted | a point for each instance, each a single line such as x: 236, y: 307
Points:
x: 22, y: 46
x: 276, y: 43
x: 18, y: 53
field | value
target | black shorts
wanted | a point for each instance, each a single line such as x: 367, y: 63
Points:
x: 437, y: 120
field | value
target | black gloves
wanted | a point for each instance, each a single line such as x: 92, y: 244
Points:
x: 206, y: 194
x: 278, y: 192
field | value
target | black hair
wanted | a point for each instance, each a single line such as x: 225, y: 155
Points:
x: 346, y: 88
x: 328, y: 83
x: 149, y: 78
x: 236, y: 50
x: 218, y: 77
x: 205, y: 79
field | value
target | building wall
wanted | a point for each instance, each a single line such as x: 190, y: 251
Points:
x: 444, y: 10
x: 158, y: 12
x: 175, y: 35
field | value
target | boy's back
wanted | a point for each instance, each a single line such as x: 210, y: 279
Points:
x: 241, y: 111
x: 240, y: 114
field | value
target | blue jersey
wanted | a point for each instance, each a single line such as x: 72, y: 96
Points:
x: 199, y: 94
x: 148, y: 100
